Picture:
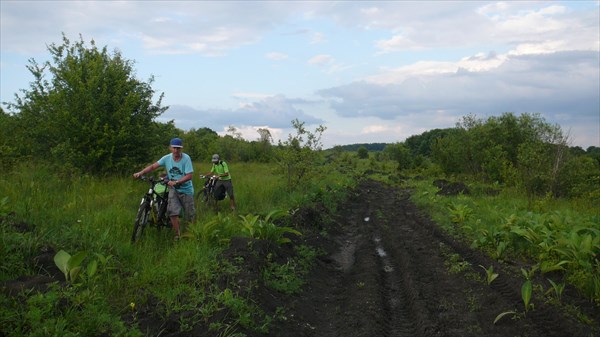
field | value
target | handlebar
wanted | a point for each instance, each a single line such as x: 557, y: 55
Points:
x: 161, y: 180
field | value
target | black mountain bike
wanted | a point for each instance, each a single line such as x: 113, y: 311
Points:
x: 209, y: 195
x: 153, y: 208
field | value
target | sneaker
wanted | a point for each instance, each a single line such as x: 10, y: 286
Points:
x: 177, y: 237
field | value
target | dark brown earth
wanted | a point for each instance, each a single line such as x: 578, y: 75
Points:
x: 386, y: 271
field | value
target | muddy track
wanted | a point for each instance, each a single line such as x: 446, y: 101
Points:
x: 388, y: 272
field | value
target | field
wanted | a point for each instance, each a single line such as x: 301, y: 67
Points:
x: 378, y: 255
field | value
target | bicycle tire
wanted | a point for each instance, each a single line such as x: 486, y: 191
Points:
x: 163, y: 219
x: 141, y: 220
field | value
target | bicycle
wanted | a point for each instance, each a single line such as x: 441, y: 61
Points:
x: 208, y: 196
x: 153, y: 208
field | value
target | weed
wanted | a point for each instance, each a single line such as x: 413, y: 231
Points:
x: 558, y: 289
x: 489, y: 273
x: 455, y: 264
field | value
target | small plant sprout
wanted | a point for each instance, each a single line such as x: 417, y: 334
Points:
x: 526, y: 292
x: 499, y: 317
x: 69, y: 265
x: 558, y: 289
x: 489, y: 273
x: 528, y: 274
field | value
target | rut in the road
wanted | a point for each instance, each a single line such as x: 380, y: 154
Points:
x: 387, y: 274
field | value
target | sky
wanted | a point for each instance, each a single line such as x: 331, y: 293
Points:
x: 369, y: 71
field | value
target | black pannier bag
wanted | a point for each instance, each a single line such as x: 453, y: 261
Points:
x: 220, y: 192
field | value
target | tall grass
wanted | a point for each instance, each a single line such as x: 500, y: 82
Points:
x: 95, y: 215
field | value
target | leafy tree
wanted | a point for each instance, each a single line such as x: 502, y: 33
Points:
x: 423, y: 144
x: 201, y: 143
x: 362, y: 152
x: 297, y: 155
x: 8, y: 140
x: 263, y: 146
x: 533, y: 168
x: 91, y: 114
x: 594, y: 152
x: 400, y: 153
x: 450, y: 153
x: 579, y: 178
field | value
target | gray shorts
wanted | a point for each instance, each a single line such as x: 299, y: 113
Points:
x: 228, y: 187
x: 180, y: 201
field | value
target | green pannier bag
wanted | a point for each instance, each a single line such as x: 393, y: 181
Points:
x: 160, y: 188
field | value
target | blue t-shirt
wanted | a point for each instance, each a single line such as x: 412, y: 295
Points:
x: 178, y: 170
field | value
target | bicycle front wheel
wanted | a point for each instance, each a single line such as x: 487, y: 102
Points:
x: 141, y: 220
x: 162, y: 216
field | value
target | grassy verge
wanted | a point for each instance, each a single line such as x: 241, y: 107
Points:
x: 110, y: 286
x: 558, y: 239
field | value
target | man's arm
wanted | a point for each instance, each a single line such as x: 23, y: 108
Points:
x: 146, y: 169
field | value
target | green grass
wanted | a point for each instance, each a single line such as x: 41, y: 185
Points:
x: 555, y: 235
x: 95, y: 215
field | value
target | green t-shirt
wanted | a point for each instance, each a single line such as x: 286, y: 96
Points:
x: 221, y: 168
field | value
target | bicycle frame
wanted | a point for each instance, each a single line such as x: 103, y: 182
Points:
x: 206, y: 194
x: 152, y: 210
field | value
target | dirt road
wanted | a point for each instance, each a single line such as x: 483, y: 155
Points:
x: 389, y: 271
x: 386, y: 271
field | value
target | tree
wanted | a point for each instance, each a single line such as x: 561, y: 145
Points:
x: 362, y: 152
x: 91, y: 114
x: 200, y: 143
x: 8, y: 142
x: 423, y: 144
x: 400, y: 153
x: 297, y: 155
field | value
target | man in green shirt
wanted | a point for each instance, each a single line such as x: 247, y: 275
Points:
x: 221, y: 170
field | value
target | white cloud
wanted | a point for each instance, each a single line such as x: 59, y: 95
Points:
x: 321, y: 60
x: 317, y: 38
x: 276, y: 56
x: 272, y: 111
x: 397, y: 43
x: 489, y: 57
x: 556, y: 85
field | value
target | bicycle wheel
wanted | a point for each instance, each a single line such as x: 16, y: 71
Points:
x: 141, y: 220
x: 163, y: 219
x: 204, y: 197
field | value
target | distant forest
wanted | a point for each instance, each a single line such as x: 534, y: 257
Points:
x: 369, y: 147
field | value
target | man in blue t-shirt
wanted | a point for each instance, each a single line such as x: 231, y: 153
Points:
x: 181, y: 192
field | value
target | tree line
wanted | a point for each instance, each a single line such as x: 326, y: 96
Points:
x: 523, y: 151
x: 86, y: 112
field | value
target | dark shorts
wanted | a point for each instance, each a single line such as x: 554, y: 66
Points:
x: 228, y: 187
x: 181, y: 201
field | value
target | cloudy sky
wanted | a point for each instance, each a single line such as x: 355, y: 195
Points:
x: 369, y: 71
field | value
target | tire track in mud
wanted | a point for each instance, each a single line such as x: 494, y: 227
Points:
x: 386, y: 274
x: 402, y: 312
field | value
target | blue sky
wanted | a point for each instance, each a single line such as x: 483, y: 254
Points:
x: 369, y: 71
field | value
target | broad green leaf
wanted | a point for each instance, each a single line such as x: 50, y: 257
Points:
x: 75, y: 260
x: 73, y: 273
x: 526, y: 291
x: 92, y: 267
x: 61, y: 259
